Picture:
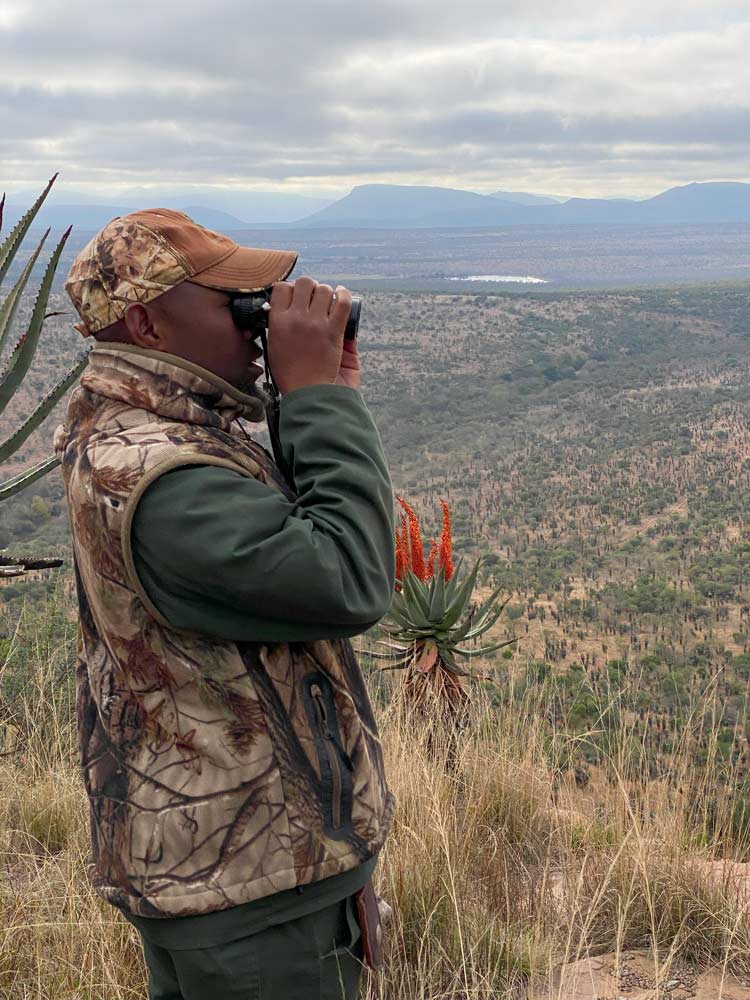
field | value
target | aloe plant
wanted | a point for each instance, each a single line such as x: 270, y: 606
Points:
x: 430, y: 619
x: 20, y: 360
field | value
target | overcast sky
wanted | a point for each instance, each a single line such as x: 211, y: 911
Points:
x: 613, y: 97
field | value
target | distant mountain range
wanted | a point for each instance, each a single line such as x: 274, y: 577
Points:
x: 224, y: 210
x: 399, y: 207
x: 95, y: 216
x: 395, y: 206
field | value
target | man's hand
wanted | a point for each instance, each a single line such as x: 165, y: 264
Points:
x: 306, y: 336
x: 350, y: 370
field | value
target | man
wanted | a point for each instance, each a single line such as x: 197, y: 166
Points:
x: 238, y: 800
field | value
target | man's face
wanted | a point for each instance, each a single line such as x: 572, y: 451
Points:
x: 196, y: 324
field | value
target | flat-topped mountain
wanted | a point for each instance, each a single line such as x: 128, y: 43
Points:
x: 413, y: 206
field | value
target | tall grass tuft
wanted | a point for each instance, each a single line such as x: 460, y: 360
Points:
x: 498, y: 870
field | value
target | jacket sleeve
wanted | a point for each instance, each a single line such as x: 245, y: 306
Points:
x: 224, y: 554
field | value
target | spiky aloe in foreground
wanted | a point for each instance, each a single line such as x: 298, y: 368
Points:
x: 431, y: 619
x: 20, y: 360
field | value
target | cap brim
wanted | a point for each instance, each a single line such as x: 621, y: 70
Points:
x: 247, y: 270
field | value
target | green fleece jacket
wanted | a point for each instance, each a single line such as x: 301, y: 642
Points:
x: 227, y: 555
x: 232, y: 557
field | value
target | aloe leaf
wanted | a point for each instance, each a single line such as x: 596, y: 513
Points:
x: 23, y: 354
x: 415, y: 593
x: 15, y: 237
x: 11, y: 562
x: 479, y: 628
x: 29, y: 562
x: 428, y: 654
x: 463, y: 593
x: 445, y: 654
x: 12, y: 486
x: 485, y: 649
x: 398, y: 600
x: 414, y: 635
x: 452, y: 615
x: 10, y: 306
x: 409, y: 617
x: 476, y: 628
x: 413, y: 612
x: 386, y: 628
x: 42, y: 563
x: 14, y: 442
x: 402, y: 605
x: 466, y: 589
x: 396, y: 651
x: 436, y: 612
x: 486, y: 605
x: 397, y: 618
x: 453, y: 583
x: 377, y: 655
x: 409, y: 634
x: 460, y: 632
x: 474, y: 633
x: 470, y: 628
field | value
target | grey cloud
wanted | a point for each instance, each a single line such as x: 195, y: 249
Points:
x: 398, y: 91
x: 723, y: 128
x: 210, y: 34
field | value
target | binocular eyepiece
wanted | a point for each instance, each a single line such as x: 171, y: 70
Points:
x: 250, y: 312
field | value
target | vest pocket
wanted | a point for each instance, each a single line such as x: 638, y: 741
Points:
x: 335, y: 764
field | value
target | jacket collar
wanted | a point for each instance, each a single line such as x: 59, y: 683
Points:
x: 170, y: 386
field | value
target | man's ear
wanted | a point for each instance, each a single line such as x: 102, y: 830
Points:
x: 141, y: 328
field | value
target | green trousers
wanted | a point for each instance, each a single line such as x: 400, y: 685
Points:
x: 316, y: 957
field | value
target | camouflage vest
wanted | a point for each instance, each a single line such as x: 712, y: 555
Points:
x: 217, y: 772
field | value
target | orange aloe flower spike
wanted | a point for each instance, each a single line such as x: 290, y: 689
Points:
x: 415, y: 539
x: 446, y: 543
x: 402, y: 550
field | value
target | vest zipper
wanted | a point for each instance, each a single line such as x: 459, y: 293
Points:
x: 333, y: 757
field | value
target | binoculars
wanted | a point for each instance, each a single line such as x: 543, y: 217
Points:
x: 250, y: 312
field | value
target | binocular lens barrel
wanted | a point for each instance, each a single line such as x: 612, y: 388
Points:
x: 248, y: 313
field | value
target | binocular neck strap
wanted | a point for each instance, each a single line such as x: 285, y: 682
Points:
x: 272, y: 413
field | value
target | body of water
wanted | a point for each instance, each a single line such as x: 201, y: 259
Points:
x: 515, y: 279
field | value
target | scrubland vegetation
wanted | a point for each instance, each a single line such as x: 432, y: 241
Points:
x: 594, y: 447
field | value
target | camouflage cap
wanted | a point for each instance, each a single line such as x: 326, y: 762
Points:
x: 137, y: 257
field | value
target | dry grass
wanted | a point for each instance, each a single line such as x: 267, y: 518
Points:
x: 497, y: 871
